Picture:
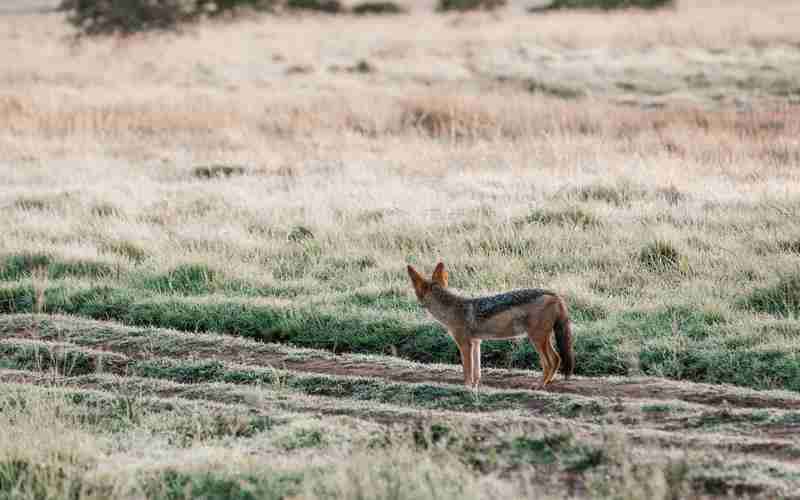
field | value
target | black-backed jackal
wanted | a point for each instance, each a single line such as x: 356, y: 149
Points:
x: 533, y: 312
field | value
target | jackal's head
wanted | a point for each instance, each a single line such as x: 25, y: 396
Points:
x: 422, y: 287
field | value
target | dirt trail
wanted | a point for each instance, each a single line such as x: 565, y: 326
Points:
x: 763, y: 446
x: 635, y: 388
x: 644, y: 388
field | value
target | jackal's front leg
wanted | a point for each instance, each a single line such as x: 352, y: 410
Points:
x: 466, y: 361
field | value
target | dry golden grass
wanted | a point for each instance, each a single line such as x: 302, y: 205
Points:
x: 646, y: 165
x: 461, y: 122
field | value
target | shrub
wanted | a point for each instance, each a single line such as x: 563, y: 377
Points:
x: 604, y: 4
x: 99, y: 17
x: 214, y: 171
x: 465, y: 5
x: 329, y: 6
x: 379, y: 7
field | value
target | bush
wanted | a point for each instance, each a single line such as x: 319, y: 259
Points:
x: 465, y: 5
x: 215, y: 171
x: 329, y: 6
x: 604, y: 4
x: 98, y: 17
x: 377, y: 8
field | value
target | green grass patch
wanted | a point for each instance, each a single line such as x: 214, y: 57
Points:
x: 302, y: 438
x: 17, y: 298
x: 656, y: 408
x: 26, y: 479
x: 574, y: 217
x: 781, y: 299
x: 771, y: 369
x: 679, y: 342
x: 186, y: 279
x: 19, y: 266
x: 267, y: 485
x: 64, y: 360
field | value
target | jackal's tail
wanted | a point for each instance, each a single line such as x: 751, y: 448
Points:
x: 563, y: 329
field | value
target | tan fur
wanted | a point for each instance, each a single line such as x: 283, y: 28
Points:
x: 534, y: 319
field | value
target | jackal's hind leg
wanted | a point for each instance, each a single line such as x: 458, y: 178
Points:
x: 476, y: 363
x: 544, y: 361
x: 555, y: 359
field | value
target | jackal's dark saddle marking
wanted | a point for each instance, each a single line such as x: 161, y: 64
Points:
x: 486, y: 307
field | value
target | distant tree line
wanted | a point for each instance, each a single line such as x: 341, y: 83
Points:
x: 97, y: 17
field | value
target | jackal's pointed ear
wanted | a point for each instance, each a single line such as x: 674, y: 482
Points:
x: 416, y: 278
x: 440, y: 275
x: 421, y: 287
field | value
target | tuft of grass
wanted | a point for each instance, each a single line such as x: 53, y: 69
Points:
x: 620, y: 194
x: 445, y: 119
x: 790, y: 246
x: 186, y: 279
x: 302, y: 438
x: 127, y: 249
x: 34, y: 356
x: 398, y: 474
x: 575, y: 216
x: 15, y: 267
x: 300, y: 233
x: 501, y: 245
x: 217, y: 171
x: 780, y: 299
x: 554, y: 89
x: 177, y: 485
x: 662, y: 256
x: 104, y: 210
x: 656, y: 408
x: 585, y: 310
x: 671, y: 195
x: 28, y: 203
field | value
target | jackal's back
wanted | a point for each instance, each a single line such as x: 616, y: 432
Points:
x: 486, y: 307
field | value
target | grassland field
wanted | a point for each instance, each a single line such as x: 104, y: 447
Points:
x: 204, y: 234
